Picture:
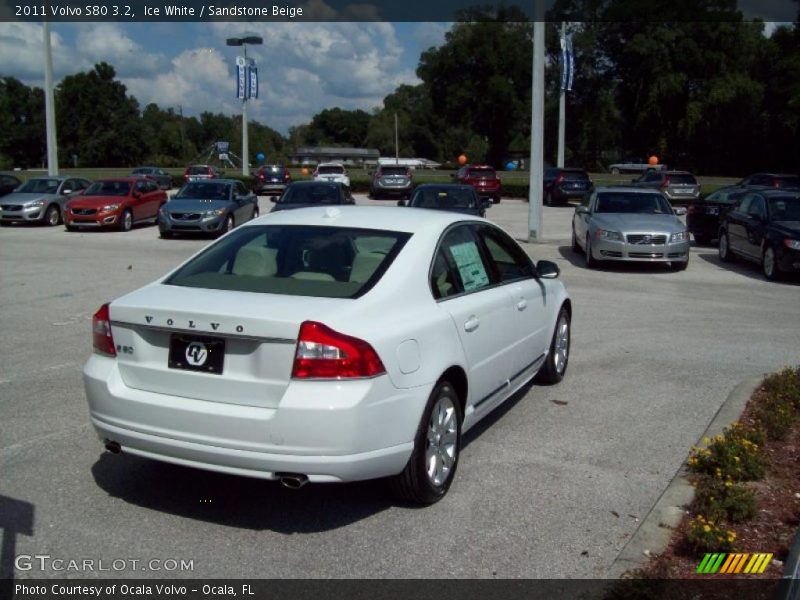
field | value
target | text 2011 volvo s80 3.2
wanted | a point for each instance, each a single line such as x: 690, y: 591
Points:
x: 328, y: 344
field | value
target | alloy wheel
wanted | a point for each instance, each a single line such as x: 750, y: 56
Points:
x: 441, y: 449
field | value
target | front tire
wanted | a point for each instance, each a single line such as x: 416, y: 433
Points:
x: 769, y: 264
x: 555, y: 365
x: 591, y: 261
x: 53, y: 216
x: 615, y: 171
x: 432, y: 466
x: 725, y: 254
x: 227, y: 226
x: 255, y: 212
x: 126, y: 220
x: 496, y: 199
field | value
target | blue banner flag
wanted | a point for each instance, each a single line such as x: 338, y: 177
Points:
x: 252, y: 81
x: 241, y: 78
x: 567, y: 64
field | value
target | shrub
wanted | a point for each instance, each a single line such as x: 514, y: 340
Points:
x: 724, y: 500
x: 706, y: 535
x: 735, y: 454
x: 785, y: 385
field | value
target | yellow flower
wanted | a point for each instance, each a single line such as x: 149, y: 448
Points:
x: 706, y: 528
x: 706, y: 441
x: 736, y: 458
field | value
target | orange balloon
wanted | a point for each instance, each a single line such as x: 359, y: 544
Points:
x: 304, y: 171
x: 653, y: 160
x: 462, y: 160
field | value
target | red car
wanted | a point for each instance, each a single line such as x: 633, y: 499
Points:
x: 483, y: 178
x: 115, y: 203
x: 271, y: 179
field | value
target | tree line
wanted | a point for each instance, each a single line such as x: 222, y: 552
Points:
x: 715, y: 95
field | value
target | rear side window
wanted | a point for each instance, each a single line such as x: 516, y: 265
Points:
x: 507, y: 259
x: 293, y: 260
x: 458, y: 266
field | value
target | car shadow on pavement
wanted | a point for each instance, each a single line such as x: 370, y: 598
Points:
x: 234, y: 501
x: 576, y: 259
x: 746, y: 268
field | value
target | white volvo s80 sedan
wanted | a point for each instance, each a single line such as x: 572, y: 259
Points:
x: 328, y: 344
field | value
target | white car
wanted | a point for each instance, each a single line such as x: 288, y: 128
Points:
x: 328, y: 344
x: 332, y: 172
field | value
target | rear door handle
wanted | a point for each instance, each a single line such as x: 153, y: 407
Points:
x: 471, y: 324
x: 522, y: 304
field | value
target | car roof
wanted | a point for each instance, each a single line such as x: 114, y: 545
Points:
x: 212, y: 181
x: 626, y: 189
x: 58, y: 177
x: 769, y: 192
x: 390, y: 218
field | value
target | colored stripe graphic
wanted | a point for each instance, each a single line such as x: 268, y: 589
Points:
x: 736, y: 562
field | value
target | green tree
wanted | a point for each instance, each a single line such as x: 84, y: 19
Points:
x: 98, y: 121
x: 22, y: 129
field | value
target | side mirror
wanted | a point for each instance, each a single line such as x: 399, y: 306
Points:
x: 401, y: 202
x: 680, y: 211
x: 581, y: 210
x: 273, y: 198
x: 547, y: 270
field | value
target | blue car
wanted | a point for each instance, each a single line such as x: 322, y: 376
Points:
x: 212, y: 206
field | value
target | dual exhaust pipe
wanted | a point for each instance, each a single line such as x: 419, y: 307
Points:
x: 293, y: 481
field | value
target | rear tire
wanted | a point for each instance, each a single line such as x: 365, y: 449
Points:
x: 555, y: 365
x: 255, y: 212
x: 432, y: 466
x: 725, y: 254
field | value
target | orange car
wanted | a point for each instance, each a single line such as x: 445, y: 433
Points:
x: 116, y: 203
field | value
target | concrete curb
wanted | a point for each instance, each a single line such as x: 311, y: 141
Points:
x: 653, y: 534
x: 790, y: 585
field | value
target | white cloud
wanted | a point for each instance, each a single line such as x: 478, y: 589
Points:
x: 22, y: 52
x: 108, y: 42
x: 431, y: 34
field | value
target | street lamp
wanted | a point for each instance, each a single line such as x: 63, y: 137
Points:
x: 253, y: 40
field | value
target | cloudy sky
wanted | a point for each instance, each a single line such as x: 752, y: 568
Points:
x: 303, y: 67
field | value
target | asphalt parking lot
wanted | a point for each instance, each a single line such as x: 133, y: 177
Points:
x: 553, y: 485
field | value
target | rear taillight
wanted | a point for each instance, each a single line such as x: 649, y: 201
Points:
x: 101, y: 332
x: 323, y: 353
x: 665, y: 183
x: 775, y: 182
x: 559, y: 179
x: 691, y: 209
x: 186, y: 175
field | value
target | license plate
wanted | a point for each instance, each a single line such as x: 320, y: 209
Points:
x: 680, y: 191
x: 712, y: 210
x: 196, y: 353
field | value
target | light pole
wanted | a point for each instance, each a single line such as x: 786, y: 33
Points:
x: 253, y: 40
x: 49, y: 104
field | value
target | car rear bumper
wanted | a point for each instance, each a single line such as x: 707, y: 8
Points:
x: 611, y: 250
x: 328, y: 431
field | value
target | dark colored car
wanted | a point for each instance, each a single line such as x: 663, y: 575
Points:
x: 677, y: 186
x: 8, y: 183
x: 160, y: 176
x: 390, y: 180
x: 211, y: 206
x: 303, y: 194
x: 41, y: 200
x: 451, y: 197
x: 764, y: 227
x: 483, y: 178
x: 772, y: 180
x: 271, y: 179
x: 195, y: 172
x: 115, y: 203
x: 704, y: 215
x: 561, y: 184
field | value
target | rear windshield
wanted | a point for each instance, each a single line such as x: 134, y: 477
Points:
x: 294, y: 260
x: 142, y: 171
x: 198, y: 170
x: 274, y: 169
x: 621, y: 202
x: 323, y: 193
x: 788, y: 182
x: 40, y: 186
x: 108, y: 188
x: 682, y: 178
x: 443, y: 198
x: 482, y: 172
x: 393, y: 171
x: 784, y: 208
x: 332, y: 170
x: 204, y: 190
x: 576, y: 175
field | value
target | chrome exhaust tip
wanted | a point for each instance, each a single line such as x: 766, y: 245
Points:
x: 293, y: 481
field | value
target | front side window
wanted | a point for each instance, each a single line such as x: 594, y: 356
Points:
x: 757, y: 207
x: 40, y: 186
x: 294, y: 260
x: 507, y: 259
x: 784, y: 208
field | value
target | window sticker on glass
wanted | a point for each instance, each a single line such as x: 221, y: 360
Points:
x: 470, y: 267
